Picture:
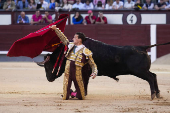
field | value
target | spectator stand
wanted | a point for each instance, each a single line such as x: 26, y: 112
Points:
x: 29, y: 13
x: 130, y: 16
x: 119, y: 17
x: 10, y: 17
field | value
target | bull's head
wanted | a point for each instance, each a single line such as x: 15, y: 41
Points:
x: 49, y: 62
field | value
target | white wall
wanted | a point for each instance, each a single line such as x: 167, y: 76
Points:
x: 153, y: 18
x: 5, y: 19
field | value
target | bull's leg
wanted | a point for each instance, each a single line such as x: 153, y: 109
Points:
x: 156, y: 85
x: 86, y: 71
x: 85, y: 81
x: 150, y: 79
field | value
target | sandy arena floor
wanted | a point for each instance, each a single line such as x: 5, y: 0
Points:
x: 24, y: 89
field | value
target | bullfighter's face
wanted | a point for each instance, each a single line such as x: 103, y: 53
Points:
x: 76, y: 40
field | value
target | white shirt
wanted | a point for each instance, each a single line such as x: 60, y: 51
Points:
x: 77, y: 48
x: 44, y: 5
x: 118, y: 5
x: 37, y: 1
x: 90, y: 6
x: 149, y: 7
x: 129, y: 5
x: 80, y: 5
x: 168, y: 6
x: 108, y: 6
x: 100, y: 8
x: 67, y: 6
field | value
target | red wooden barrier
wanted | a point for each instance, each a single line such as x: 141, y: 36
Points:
x: 110, y: 34
x: 163, y: 36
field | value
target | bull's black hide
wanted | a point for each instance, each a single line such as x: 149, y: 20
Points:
x: 113, y: 61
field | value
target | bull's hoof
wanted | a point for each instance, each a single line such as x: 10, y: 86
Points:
x: 158, y: 95
x: 153, y: 96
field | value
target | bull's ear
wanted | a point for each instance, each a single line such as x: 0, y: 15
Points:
x: 46, y: 56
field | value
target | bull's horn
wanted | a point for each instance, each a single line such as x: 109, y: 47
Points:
x: 40, y: 64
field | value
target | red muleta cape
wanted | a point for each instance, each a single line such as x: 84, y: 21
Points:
x: 44, y: 39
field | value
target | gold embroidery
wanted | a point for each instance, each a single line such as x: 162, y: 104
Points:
x: 87, y: 52
x: 62, y: 37
x: 66, y: 78
x: 55, y: 44
x: 77, y: 57
x: 79, y: 64
x: 78, y: 79
x: 92, y: 65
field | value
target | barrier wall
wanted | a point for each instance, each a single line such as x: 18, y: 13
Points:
x: 163, y: 35
x: 110, y: 34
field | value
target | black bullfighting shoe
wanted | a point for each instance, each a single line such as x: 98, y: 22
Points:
x: 61, y: 96
x: 70, y: 93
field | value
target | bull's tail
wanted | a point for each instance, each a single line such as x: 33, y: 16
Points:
x: 147, y: 47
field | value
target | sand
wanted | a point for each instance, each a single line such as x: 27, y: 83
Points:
x: 164, y: 60
x: 24, y: 89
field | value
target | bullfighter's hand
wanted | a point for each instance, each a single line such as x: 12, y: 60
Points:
x: 53, y: 27
x: 93, y: 75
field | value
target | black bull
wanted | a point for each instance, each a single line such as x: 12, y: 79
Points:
x: 112, y: 61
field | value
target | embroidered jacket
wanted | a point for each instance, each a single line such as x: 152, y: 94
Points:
x: 81, y: 57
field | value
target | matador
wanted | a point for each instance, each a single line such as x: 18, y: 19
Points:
x: 77, y: 57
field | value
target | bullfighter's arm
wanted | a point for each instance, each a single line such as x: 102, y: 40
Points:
x: 62, y: 37
x: 92, y: 65
x: 91, y: 62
